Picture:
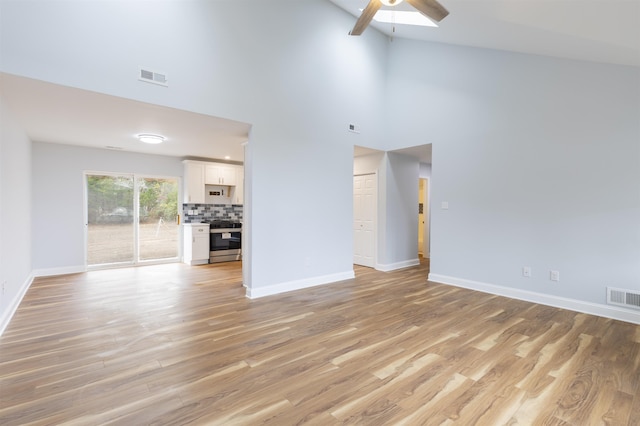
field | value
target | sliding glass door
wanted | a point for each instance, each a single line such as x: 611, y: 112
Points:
x: 131, y: 219
x: 110, y: 225
x: 158, y: 227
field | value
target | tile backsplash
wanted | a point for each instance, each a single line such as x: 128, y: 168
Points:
x: 209, y: 212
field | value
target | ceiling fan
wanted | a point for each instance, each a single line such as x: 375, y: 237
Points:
x: 429, y: 8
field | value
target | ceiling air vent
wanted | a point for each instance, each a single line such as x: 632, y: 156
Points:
x: 153, y: 77
x: 620, y: 297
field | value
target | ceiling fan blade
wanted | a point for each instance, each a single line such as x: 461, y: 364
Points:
x: 366, y: 17
x: 430, y: 8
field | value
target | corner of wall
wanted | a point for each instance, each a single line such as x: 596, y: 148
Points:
x: 254, y: 293
x: 16, y: 272
x: 7, y: 314
x: 600, y: 310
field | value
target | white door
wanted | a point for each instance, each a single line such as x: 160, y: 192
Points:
x: 364, y: 204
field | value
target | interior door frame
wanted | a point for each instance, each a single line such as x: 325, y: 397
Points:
x: 136, y: 220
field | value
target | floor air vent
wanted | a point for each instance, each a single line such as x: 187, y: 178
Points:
x: 153, y: 77
x: 621, y: 297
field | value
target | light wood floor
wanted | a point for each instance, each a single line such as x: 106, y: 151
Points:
x: 174, y: 344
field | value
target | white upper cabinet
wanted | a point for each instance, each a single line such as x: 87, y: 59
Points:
x: 193, y: 182
x: 220, y: 174
x: 197, y: 174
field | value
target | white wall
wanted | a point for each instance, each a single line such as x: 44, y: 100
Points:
x: 366, y: 164
x: 58, y: 197
x: 539, y: 159
x: 425, y: 170
x: 400, y: 233
x: 287, y: 67
x: 15, y: 214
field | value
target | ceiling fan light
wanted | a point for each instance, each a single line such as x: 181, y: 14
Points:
x: 403, y: 17
x: 391, y: 2
x: 152, y: 139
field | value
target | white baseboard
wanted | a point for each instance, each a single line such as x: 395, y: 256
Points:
x: 398, y: 265
x: 600, y: 310
x: 11, y: 309
x: 254, y: 293
x: 47, y: 272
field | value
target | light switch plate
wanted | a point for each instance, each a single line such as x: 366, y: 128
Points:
x: 444, y: 205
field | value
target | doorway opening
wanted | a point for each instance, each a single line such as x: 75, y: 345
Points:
x: 423, y: 218
x: 131, y: 219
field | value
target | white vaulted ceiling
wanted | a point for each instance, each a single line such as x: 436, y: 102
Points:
x: 605, y: 31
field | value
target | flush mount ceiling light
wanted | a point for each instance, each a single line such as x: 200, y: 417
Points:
x: 390, y: 2
x: 149, y: 138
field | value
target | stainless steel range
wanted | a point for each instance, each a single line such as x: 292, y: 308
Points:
x: 225, y: 242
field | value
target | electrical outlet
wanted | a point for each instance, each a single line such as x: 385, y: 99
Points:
x: 554, y: 275
x: 526, y: 271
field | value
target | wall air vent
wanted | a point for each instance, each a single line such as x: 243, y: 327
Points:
x: 153, y: 77
x: 621, y: 297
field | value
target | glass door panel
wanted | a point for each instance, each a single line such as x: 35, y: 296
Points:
x: 158, y: 213
x: 110, y: 219
x: 131, y: 219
